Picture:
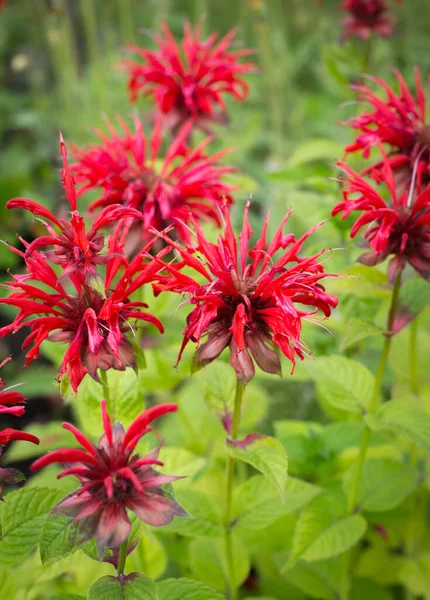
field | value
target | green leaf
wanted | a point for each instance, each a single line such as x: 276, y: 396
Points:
x: 302, y: 442
x: 7, y: 583
x: 323, y: 530
x: 51, y: 436
x: 264, y: 453
x: 405, y: 419
x: 257, y: 503
x: 218, y: 384
x: 315, y: 150
x: 356, y: 330
x: 67, y: 597
x: 342, y: 383
x: 58, y: 538
x: 149, y: 557
x: 181, y: 462
x: 22, y: 519
x: 316, y: 579
x: 208, y: 561
x: 135, y: 586
x: 186, y: 589
x: 125, y: 403
x: 415, y: 574
x: 203, y: 519
x: 383, y: 485
x: 414, y: 297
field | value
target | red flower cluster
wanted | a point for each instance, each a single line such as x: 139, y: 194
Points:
x: 399, y: 122
x: 126, y: 169
x: 366, y: 18
x: 12, y: 402
x: 114, y: 479
x: 400, y: 229
x: 251, y: 301
x: 92, y: 319
x: 190, y: 80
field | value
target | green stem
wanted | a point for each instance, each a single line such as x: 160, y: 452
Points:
x: 366, y: 55
x: 106, y: 392
x: 122, y: 557
x: 413, y: 358
x: 372, y: 408
x: 229, y: 493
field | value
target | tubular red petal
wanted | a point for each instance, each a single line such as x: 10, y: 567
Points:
x: 65, y: 455
x: 85, y: 442
x: 143, y: 420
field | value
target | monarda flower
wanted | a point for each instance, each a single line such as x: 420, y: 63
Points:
x: 251, y: 301
x: 114, y: 479
x: 12, y: 403
x: 366, y: 18
x: 127, y: 169
x: 189, y: 81
x: 399, y: 228
x: 77, y: 251
x: 92, y: 321
x: 399, y: 123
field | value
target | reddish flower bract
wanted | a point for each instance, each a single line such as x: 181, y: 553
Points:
x: 400, y: 228
x: 124, y: 168
x: 190, y: 80
x: 250, y: 301
x: 114, y: 479
x: 400, y: 124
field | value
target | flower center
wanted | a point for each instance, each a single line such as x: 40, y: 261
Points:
x: 245, y: 286
x: 75, y: 310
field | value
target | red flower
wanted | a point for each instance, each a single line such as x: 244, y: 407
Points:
x: 76, y: 251
x: 190, y: 81
x: 398, y: 122
x: 126, y: 170
x: 398, y: 228
x: 12, y: 402
x: 367, y: 17
x: 113, y: 479
x: 249, y: 302
x: 94, y: 322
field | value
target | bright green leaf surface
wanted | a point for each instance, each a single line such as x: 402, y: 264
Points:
x: 135, y: 586
x: 186, y: 589
x: 404, y: 419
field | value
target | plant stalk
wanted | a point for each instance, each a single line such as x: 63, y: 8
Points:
x: 106, y: 392
x: 229, y: 492
x: 122, y: 558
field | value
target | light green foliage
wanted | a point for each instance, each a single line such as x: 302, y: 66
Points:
x: 135, y: 587
x: 324, y: 530
x: 203, y: 519
x: 208, y: 561
x: 51, y: 436
x: 149, y: 557
x: 186, y: 589
x: 356, y: 330
x: 415, y: 575
x: 384, y: 484
x: 126, y: 400
x: 267, y: 455
x: 58, y: 538
x: 405, y: 420
x: 22, y: 519
x: 318, y: 579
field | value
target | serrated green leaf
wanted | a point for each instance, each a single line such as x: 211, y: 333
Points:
x: 356, y: 330
x: 343, y: 383
x: 58, y: 538
x: 186, y: 589
x: 125, y: 403
x: 208, y: 561
x: 23, y: 517
x: 257, y: 504
x: 266, y: 454
x: 135, y: 586
x: 404, y: 419
x: 316, y: 579
x: 383, y: 485
x: 324, y: 530
x: 51, y: 436
x: 203, y: 519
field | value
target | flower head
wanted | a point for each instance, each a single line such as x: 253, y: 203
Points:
x: 114, y: 479
x: 93, y: 321
x: 399, y: 228
x: 367, y: 17
x: 125, y: 169
x: 190, y: 80
x: 13, y: 403
x: 399, y: 123
x: 77, y: 251
x: 250, y: 301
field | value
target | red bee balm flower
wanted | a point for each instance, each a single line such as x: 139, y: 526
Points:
x: 114, y: 479
x: 190, y: 81
x: 367, y: 17
x: 78, y: 252
x: 400, y: 228
x: 93, y: 322
x: 248, y: 305
x: 12, y: 402
x: 398, y: 122
x: 187, y: 183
